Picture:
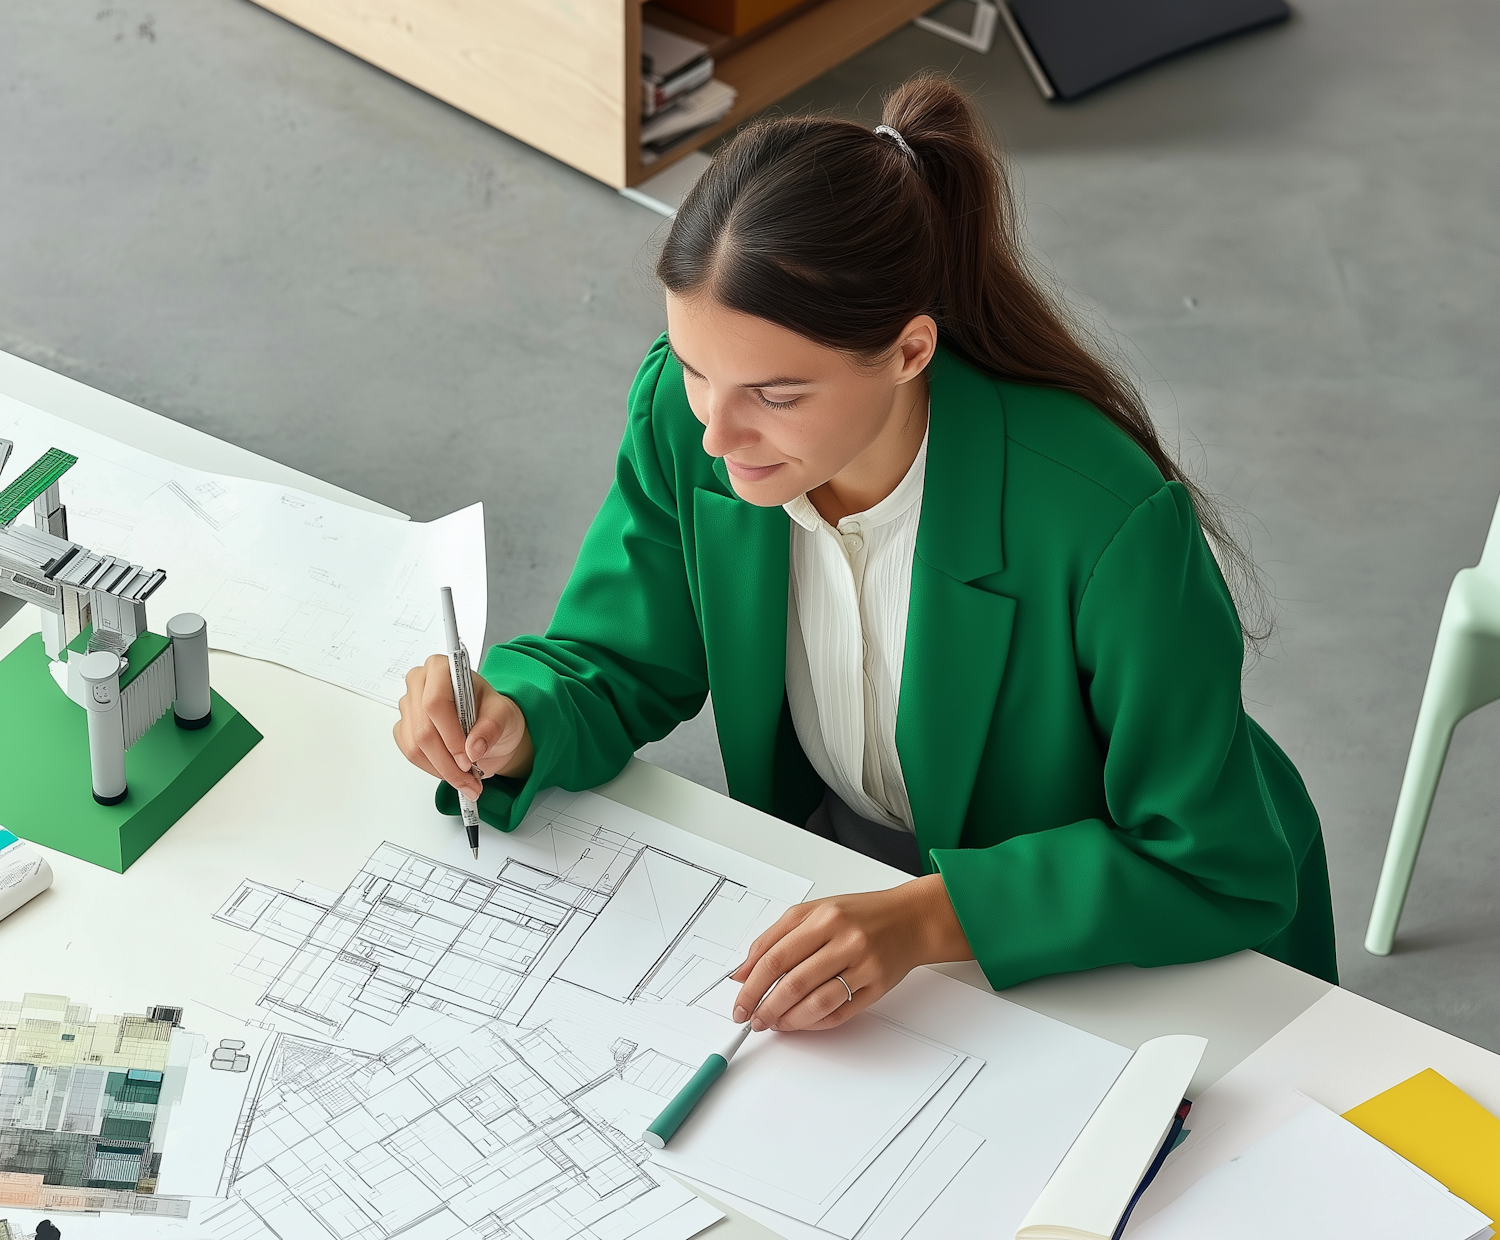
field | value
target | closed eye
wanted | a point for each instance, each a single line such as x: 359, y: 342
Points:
x: 775, y: 404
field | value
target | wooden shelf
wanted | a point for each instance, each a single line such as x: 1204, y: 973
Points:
x: 566, y: 78
x: 792, y: 54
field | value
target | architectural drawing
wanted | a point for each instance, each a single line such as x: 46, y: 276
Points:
x: 609, y: 915
x: 82, y: 1108
x: 467, y: 1050
x: 480, y: 1132
x: 332, y: 591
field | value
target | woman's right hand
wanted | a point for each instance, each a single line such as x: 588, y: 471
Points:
x: 428, y: 732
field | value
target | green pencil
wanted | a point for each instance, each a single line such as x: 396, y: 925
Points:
x: 670, y: 1120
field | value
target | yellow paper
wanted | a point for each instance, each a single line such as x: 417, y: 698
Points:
x: 1429, y: 1121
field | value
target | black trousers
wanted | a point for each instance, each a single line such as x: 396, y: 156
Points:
x: 834, y: 820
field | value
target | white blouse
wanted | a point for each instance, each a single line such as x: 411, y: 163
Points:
x: 850, y: 589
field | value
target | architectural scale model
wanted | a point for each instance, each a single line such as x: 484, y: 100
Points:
x: 94, y: 625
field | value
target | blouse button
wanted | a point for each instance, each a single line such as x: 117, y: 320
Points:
x: 853, y: 542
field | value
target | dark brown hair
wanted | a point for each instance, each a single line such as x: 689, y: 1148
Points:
x: 838, y: 234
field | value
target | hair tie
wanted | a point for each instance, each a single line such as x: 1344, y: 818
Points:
x: 900, y: 141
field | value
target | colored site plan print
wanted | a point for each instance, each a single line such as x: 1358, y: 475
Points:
x: 85, y: 1102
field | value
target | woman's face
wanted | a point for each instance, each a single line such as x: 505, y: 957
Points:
x: 787, y: 414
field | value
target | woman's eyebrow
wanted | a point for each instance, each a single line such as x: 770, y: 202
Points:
x: 780, y: 382
x: 681, y: 361
x: 783, y: 381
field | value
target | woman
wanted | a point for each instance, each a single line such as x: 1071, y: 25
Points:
x: 951, y: 596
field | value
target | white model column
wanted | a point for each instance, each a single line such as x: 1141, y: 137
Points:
x: 192, y: 705
x: 100, y: 672
x: 54, y: 638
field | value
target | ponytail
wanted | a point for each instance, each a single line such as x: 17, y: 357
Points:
x: 844, y: 235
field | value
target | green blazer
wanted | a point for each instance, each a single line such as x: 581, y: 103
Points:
x: 1079, y: 763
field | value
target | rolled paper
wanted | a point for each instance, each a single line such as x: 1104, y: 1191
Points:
x: 24, y: 873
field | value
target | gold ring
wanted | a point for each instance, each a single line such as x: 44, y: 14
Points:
x: 839, y: 977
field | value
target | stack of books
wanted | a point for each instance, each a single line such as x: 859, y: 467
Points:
x: 679, y: 93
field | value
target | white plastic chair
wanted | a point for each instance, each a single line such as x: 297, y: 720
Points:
x: 1465, y: 675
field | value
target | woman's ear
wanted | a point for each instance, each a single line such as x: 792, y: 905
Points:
x: 915, y: 347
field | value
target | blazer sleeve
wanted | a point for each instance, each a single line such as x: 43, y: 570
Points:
x: 1193, y: 862
x: 622, y: 662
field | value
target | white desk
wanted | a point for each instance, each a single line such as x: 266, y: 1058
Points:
x: 326, y: 785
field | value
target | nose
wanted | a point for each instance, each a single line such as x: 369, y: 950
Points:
x: 722, y: 430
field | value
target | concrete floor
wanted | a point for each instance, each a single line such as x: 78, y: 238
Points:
x: 1293, y: 236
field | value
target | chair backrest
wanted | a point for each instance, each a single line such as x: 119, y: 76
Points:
x: 1490, y: 559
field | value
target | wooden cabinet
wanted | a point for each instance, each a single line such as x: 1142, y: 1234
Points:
x: 564, y: 75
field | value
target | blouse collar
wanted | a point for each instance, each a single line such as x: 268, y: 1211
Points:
x: 908, y: 492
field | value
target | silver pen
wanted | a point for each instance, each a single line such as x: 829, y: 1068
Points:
x: 463, y: 698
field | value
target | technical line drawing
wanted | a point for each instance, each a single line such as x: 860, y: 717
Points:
x: 460, y: 1047
x: 589, y: 907
x: 621, y: 919
x: 479, y: 1133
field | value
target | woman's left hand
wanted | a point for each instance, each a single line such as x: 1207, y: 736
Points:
x: 872, y: 940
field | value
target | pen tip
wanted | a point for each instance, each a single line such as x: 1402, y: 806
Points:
x: 476, y: 854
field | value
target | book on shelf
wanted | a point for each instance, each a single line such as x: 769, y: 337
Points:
x: 671, y: 66
x: 697, y: 108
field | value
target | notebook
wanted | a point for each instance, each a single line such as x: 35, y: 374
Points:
x: 1120, y: 1148
x: 1079, y: 45
x: 1433, y: 1124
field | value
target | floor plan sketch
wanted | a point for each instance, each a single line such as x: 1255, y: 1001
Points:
x: 468, y: 1050
x: 408, y: 929
x: 480, y: 1133
x: 590, y: 906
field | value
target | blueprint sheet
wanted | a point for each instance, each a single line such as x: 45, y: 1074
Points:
x: 350, y: 597
x: 462, y: 1050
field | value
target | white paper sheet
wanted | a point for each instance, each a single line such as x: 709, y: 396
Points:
x: 941, y: 1160
x: 911, y: 1145
x: 1341, y: 1051
x: 1041, y: 1081
x: 209, y: 1081
x: 879, y: 1206
x: 1315, y: 1177
x: 347, y: 596
x: 799, y: 1116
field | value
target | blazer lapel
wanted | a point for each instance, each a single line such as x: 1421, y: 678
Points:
x: 742, y: 556
x: 957, y: 633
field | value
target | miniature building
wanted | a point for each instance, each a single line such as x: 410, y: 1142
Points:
x: 94, y: 624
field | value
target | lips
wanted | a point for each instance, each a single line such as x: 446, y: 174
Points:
x: 751, y: 473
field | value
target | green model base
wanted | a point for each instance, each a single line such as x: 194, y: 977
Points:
x: 46, y: 794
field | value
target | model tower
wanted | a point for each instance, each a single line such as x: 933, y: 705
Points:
x: 94, y: 625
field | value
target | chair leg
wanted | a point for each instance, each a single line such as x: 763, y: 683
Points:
x: 1464, y: 676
